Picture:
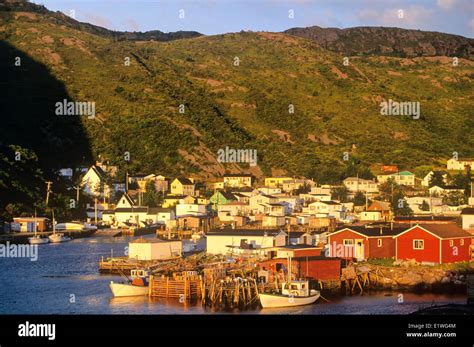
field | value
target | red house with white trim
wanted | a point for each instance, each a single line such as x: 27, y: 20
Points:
x: 364, y: 242
x: 433, y: 243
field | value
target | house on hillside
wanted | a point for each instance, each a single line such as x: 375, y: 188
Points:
x: 182, y: 186
x: 326, y: 208
x: 425, y: 182
x: 434, y: 243
x: 445, y: 190
x: 405, y: 178
x: 238, y: 180
x: 460, y: 164
x: 221, y: 198
x: 355, y: 184
x: 276, y: 182
x: 95, y: 182
x: 383, y: 207
x: 389, y: 168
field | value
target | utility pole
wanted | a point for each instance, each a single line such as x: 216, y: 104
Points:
x: 48, y: 190
x: 77, y: 193
x: 126, y: 182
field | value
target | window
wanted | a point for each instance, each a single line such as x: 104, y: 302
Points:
x: 379, y: 243
x: 348, y: 242
x: 451, y: 243
x: 462, y: 242
x: 418, y: 244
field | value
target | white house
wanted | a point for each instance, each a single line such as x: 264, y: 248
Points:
x: 269, y: 190
x: 190, y: 210
x: 467, y: 215
x: 416, y: 202
x: 328, y: 208
x: 94, y: 182
x: 154, y: 249
x: 160, y: 215
x: 425, y: 182
x: 226, y: 212
x: 371, y: 216
x: 459, y: 164
x: 441, y: 191
x: 127, y: 212
x: 234, y: 240
x: 405, y: 178
x: 273, y: 221
x: 355, y: 184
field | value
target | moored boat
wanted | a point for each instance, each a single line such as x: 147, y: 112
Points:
x: 137, y: 286
x: 37, y: 239
x: 295, y: 293
x: 58, y: 237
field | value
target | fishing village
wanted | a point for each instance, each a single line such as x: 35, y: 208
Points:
x: 279, y: 242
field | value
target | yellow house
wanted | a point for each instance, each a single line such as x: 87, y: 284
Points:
x: 276, y: 181
x: 182, y: 186
x: 238, y: 180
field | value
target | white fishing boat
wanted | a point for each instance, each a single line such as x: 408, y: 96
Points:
x: 57, y: 237
x: 137, y: 286
x: 36, y: 239
x: 295, y: 293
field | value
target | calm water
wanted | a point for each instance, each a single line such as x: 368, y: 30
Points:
x: 71, y: 269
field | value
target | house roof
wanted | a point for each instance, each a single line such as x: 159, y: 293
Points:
x: 154, y: 210
x: 185, y: 181
x: 129, y: 209
x: 227, y: 195
x: 379, y: 206
x: 128, y: 198
x: 237, y: 175
x: 443, y: 231
x: 244, y: 232
x: 374, y: 231
x: 423, y: 218
x: 99, y: 172
x: 329, y: 202
x: 467, y: 211
x: 405, y: 173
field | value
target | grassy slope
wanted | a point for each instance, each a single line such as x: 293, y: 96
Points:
x: 239, y: 106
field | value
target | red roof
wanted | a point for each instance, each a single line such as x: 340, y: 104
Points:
x: 443, y: 231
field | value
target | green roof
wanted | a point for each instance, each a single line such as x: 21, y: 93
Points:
x: 405, y: 173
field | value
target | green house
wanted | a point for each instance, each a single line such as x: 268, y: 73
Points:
x: 221, y: 198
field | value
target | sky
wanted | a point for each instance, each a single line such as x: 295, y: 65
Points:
x: 222, y: 16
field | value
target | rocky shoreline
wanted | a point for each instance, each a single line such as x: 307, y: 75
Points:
x: 414, y: 277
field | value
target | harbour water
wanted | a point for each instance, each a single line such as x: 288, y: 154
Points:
x: 65, y: 280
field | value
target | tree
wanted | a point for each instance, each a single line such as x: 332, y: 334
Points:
x: 340, y: 193
x: 400, y: 206
x: 152, y: 198
x: 436, y: 179
x: 359, y: 199
x: 424, y: 206
x: 304, y: 189
x: 454, y: 199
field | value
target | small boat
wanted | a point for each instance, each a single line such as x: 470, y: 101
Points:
x: 295, y: 293
x: 57, y: 237
x: 137, y: 286
x: 37, y: 240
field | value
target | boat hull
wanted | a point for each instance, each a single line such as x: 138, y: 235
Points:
x: 122, y: 289
x: 37, y: 240
x: 278, y: 300
x: 59, y: 239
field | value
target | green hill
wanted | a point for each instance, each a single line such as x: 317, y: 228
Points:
x: 336, y: 107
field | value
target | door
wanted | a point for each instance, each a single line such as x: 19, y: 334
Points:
x: 359, y: 249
